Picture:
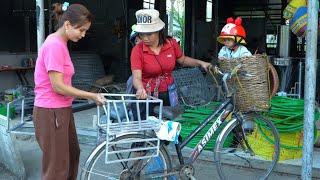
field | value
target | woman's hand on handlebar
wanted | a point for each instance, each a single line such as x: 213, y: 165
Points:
x: 205, y: 65
x: 215, y: 70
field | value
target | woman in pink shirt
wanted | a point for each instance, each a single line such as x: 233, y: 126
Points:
x: 53, y: 118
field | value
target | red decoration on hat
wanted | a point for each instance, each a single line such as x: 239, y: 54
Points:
x: 230, y: 20
x: 238, y: 21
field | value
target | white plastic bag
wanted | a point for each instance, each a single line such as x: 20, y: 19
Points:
x: 169, y: 131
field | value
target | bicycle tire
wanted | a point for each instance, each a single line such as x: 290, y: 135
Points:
x: 90, y: 173
x: 250, y: 158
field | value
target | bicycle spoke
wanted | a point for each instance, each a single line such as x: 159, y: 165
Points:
x: 119, y: 156
x: 244, y: 151
x: 148, y: 168
x: 102, y: 173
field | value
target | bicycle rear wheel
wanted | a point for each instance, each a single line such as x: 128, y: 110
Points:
x: 253, y: 150
x: 149, y: 168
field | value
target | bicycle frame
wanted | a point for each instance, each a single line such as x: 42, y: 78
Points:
x: 221, y: 113
x: 225, y: 109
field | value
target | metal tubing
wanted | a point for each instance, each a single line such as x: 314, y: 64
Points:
x: 179, y: 153
x: 216, y: 27
x: 204, y: 123
x: 27, y: 33
x: 300, y: 80
x: 171, y: 17
x: 193, y: 28
x: 309, y: 88
x: 40, y: 22
x: 284, y: 50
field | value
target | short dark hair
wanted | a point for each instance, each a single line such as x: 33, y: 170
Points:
x: 76, y: 14
x: 162, y: 37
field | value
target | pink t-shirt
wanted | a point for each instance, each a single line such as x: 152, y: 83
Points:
x: 53, y: 56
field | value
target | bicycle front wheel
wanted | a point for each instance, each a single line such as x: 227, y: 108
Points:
x: 149, y: 168
x: 249, y: 148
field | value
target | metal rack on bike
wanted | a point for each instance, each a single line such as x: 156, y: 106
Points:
x: 119, y: 122
x: 23, y: 126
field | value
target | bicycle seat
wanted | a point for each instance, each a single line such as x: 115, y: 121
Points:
x: 169, y: 112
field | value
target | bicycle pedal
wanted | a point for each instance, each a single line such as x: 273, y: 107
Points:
x: 187, y: 172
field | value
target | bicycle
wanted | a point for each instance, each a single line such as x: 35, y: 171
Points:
x: 237, y: 152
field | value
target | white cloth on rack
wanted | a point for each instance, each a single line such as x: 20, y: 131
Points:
x: 169, y: 131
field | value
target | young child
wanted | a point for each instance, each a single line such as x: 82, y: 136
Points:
x: 233, y: 36
x: 134, y: 38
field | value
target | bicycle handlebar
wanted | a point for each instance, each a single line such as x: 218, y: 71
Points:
x: 228, y: 75
x: 233, y: 71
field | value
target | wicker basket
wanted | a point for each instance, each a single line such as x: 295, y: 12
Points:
x: 252, y: 92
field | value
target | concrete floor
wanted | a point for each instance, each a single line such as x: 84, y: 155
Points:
x: 205, y: 168
x: 32, y: 157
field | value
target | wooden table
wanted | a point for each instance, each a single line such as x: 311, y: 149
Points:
x: 20, y: 71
